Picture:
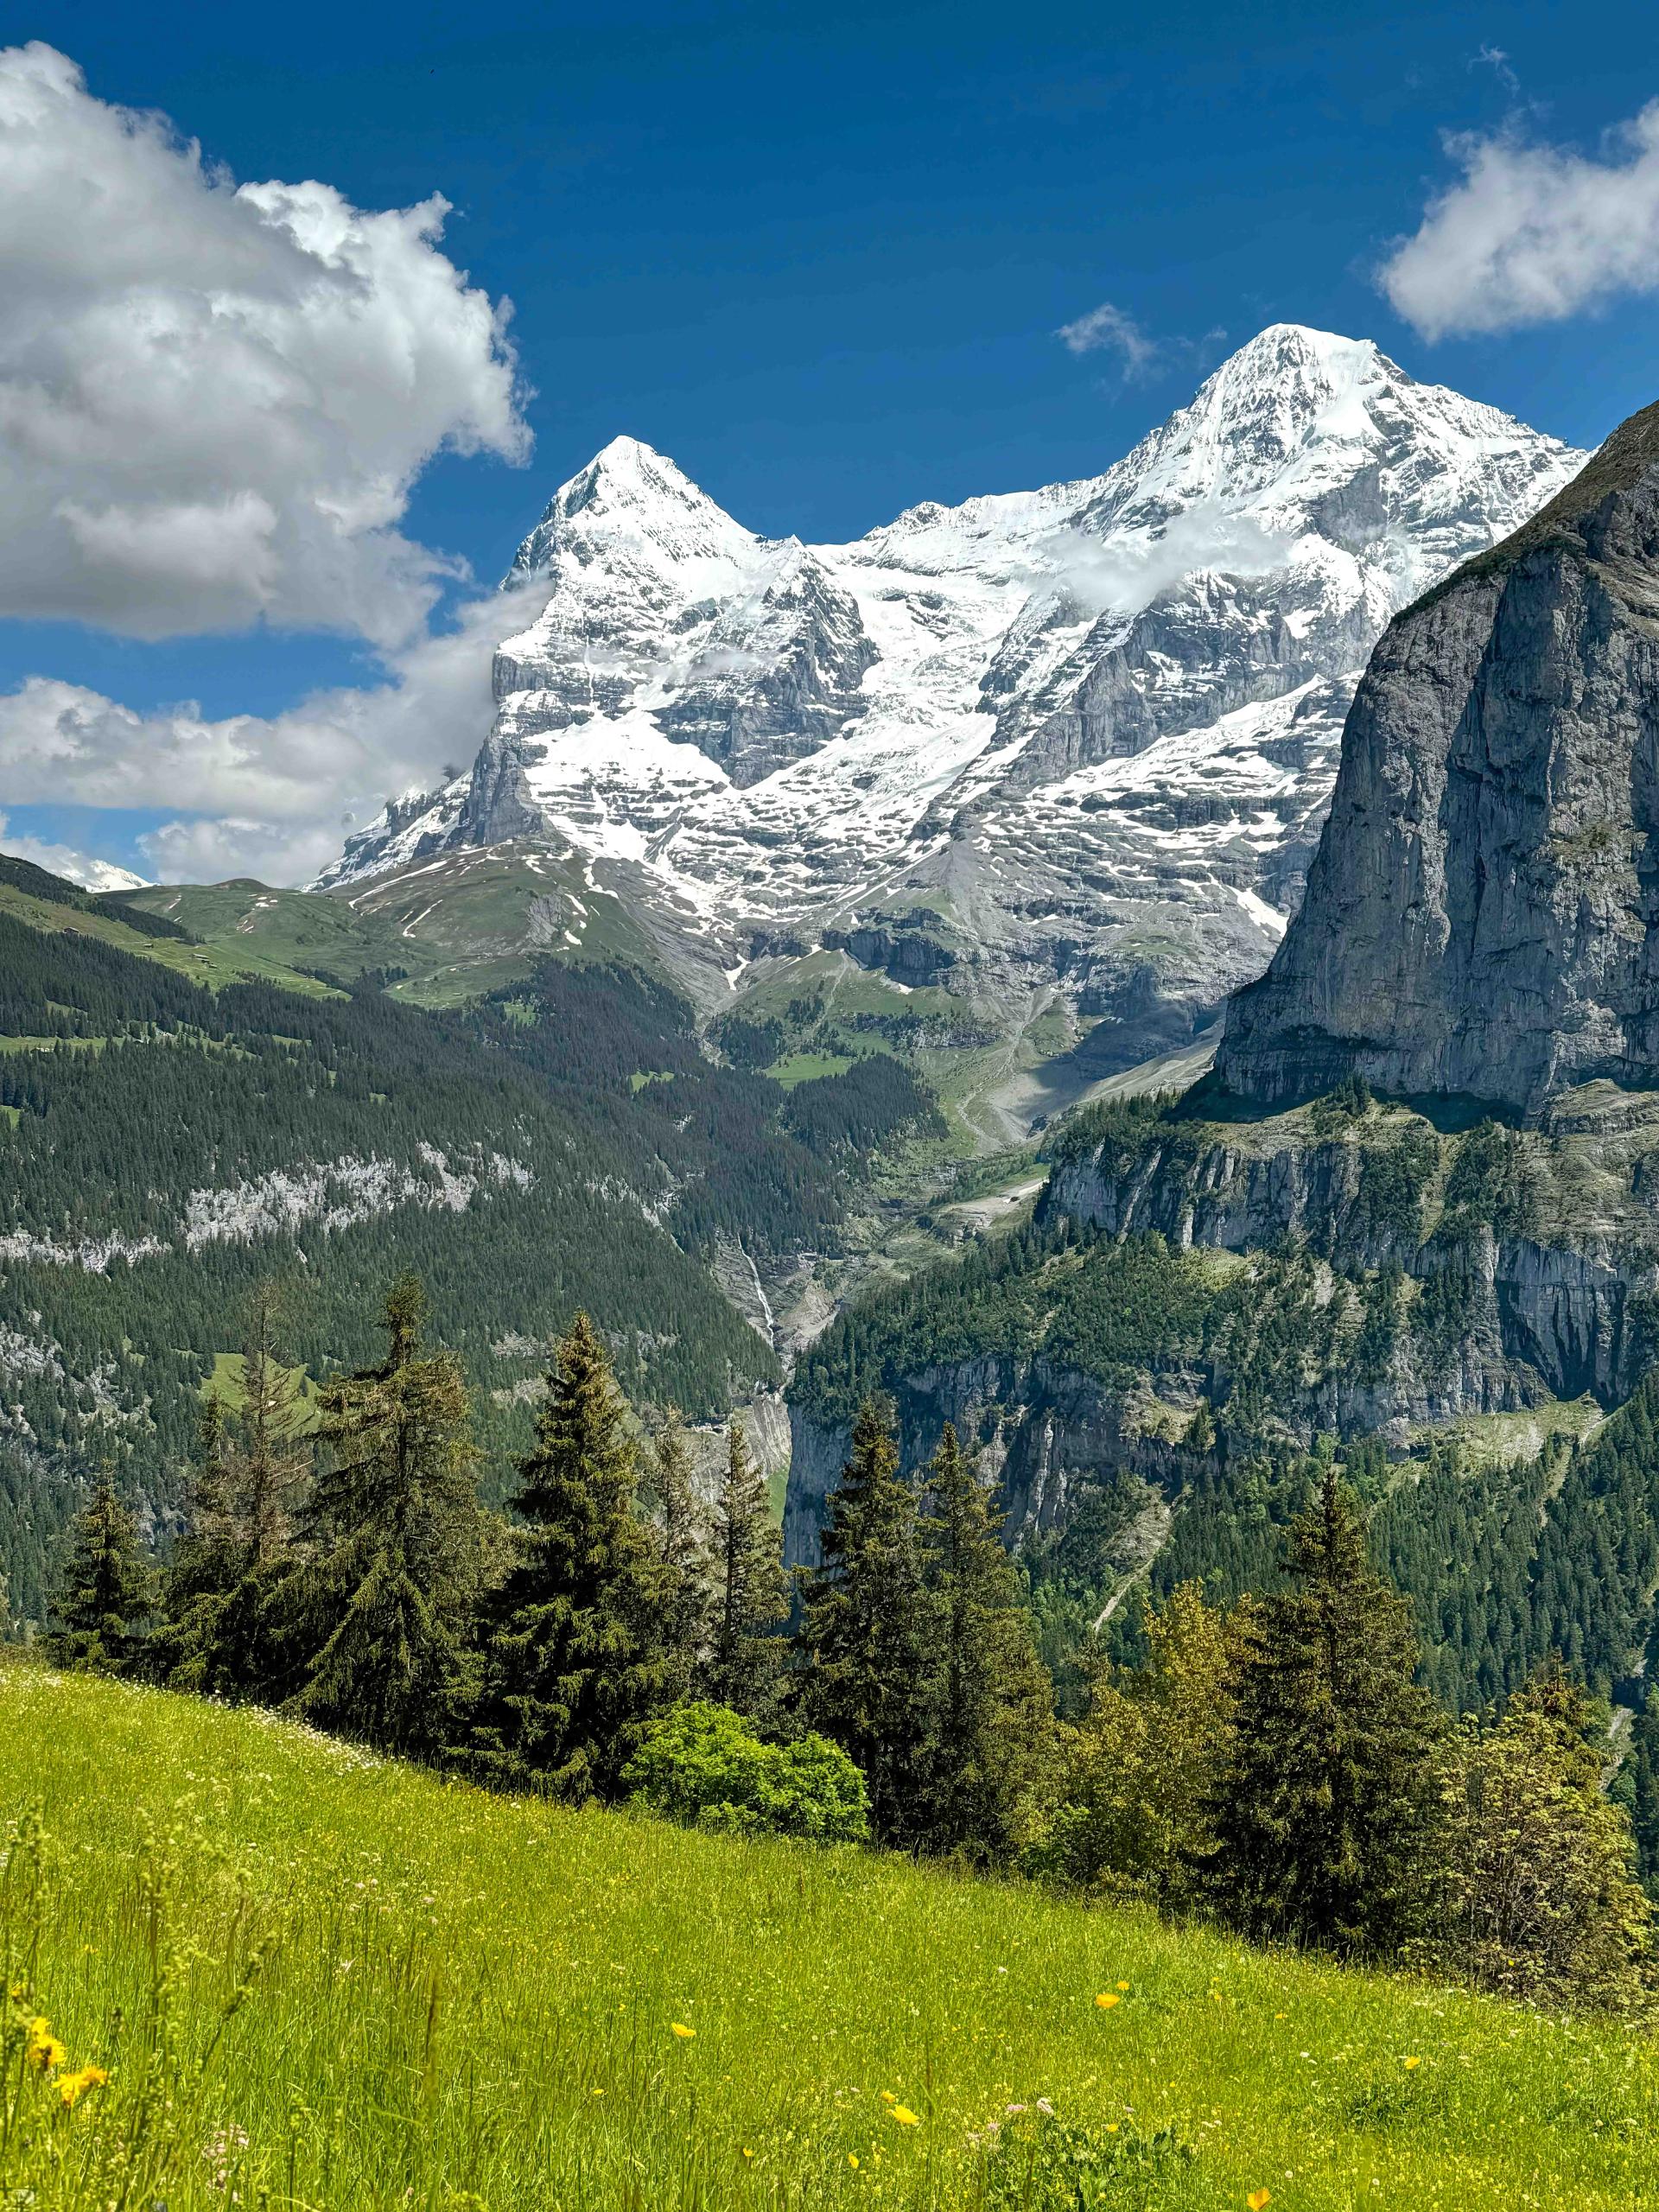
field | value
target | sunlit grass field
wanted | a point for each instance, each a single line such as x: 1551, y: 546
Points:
x: 317, y: 1980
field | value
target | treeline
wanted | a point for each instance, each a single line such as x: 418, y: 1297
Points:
x: 1274, y: 1765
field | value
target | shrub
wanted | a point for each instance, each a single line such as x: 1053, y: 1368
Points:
x: 707, y: 1766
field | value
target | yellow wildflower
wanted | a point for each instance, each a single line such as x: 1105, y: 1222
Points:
x: 1123, y: 1984
x: 887, y: 2097
x: 679, y: 2028
x: 1410, y: 2062
x: 1107, y: 1999
x: 44, y: 2049
x: 1259, y: 2198
x: 852, y: 2159
x: 904, y: 2117
x: 72, y: 2087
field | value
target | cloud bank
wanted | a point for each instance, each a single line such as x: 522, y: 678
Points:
x: 214, y: 399
x: 1532, y: 234
x: 270, y: 795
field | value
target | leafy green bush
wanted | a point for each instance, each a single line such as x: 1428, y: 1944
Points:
x: 705, y: 1766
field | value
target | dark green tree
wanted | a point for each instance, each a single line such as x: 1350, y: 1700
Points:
x: 225, y: 1627
x: 989, y: 1698
x: 680, y: 1542
x: 1326, y: 1818
x: 862, y: 1645
x: 105, y: 1591
x: 580, y: 1655
x: 394, y: 1539
x: 751, y: 1598
x: 186, y: 1647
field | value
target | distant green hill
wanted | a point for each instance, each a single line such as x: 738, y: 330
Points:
x: 380, y: 1989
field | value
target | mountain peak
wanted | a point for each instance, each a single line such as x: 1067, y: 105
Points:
x: 629, y: 493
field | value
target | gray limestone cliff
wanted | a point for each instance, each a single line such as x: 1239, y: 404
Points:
x: 1479, y: 917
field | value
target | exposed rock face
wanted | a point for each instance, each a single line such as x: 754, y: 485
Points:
x: 1479, y: 915
x: 1090, y: 728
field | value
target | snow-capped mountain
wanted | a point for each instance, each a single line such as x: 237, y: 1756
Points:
x: 1065, y: 750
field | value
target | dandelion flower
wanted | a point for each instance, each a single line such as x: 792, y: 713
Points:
x: 1107, y: 1999
x: 1123, y: 1984
x: 72, y: 2087
x: 904, y: 2117
x: 1259, y: 2199
x: 887, y: 2097
x: 1410, y: 2062
x: 679, y: 2028
x: 44, y: 2049
x: 852, y: 2159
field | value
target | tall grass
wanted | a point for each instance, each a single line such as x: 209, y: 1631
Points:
x: 317, y: 1980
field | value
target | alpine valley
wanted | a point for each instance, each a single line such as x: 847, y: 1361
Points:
x: 814, y: 975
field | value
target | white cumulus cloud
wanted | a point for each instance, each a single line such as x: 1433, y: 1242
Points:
x: 215, y: 398
x: 1532, y: 233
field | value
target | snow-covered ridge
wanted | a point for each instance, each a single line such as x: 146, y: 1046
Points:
x: 1093, y: 726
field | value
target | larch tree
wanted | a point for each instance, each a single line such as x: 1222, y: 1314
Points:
x: 394, y: 1539
x: 581, y: 1657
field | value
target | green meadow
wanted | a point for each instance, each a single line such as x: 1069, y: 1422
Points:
x: 317, y: 1979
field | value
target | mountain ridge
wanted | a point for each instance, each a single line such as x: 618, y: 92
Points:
x: 1078, y: 739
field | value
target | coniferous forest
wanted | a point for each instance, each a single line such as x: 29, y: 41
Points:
x: 1274, y: 1764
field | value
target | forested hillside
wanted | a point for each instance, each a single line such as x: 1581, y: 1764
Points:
x: 563, y: 1143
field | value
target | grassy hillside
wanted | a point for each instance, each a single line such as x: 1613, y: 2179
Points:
x: 382, y: 1991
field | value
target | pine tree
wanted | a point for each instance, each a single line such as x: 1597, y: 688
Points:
x: 1325, y: 1817
x: 394, y: 1536
x: 105, y: 1591
x: 863, y: 1641
x: 581, y: 1657
x: 1543, y: 1903
x: 746, y: 1652
x: 990, y: 1702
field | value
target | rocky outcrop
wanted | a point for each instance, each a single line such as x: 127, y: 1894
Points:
x: 1041, y: 1432
x: 1479, y: 915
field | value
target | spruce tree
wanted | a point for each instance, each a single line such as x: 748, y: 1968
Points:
x: 187, y: 1646
x: 581, y: 1657
x: 680, y: 1544
x: 270, y: 1465
x: 394, y: 1539
x: 746, y: 1651
x: 106, y: 1590
x: 1325, y: 1817
x: 990, y: 1701
x: 863, y: 1642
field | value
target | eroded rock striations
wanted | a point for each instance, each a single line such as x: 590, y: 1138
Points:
x: 1480, y: 913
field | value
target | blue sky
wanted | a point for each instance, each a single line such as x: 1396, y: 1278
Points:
x: 820, y: 255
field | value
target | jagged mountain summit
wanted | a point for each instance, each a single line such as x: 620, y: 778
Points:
x: 1065, y: 753
x: 1479, y: 918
